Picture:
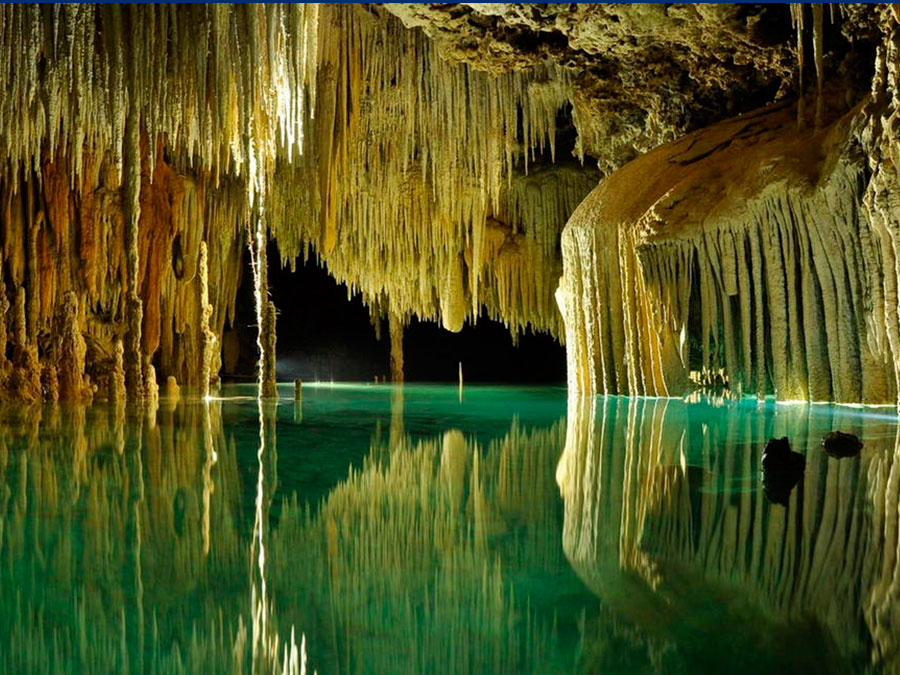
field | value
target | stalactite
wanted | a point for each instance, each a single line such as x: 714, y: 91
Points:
x: 145, y: 130
x: 818, y: 46
x: 446, y: 189
x: 76, y: 78
x: 134, y: 313
x: 797, y: 9
x: 144, y: 106
x: 396, y: 332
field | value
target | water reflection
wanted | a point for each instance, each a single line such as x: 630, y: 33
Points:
x: 666, y: 522
x: 408, y: 563
x: 136, y: 540
x: 632, y: 536
x: 105, y: 550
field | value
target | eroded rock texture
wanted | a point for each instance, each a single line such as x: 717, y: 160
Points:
x: 645, y: 72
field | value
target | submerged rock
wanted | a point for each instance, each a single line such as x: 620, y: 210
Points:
x: 839, y: 444
x: 781, y: 470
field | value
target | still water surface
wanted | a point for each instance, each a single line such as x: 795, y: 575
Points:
x: 374, y: 529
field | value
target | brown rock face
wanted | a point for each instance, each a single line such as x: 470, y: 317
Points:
x: 645, y: 72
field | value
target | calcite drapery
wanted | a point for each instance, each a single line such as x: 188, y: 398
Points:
x: 749, y: 246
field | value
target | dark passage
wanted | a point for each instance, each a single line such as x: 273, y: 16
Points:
x: 324, y: 336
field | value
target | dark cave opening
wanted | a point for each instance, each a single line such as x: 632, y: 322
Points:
x: 325, y: 336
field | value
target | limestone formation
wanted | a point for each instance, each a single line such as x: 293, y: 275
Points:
x: 396, y: 331
x: 731, y: 249
x: 429, y: 157
x: 781, y: 470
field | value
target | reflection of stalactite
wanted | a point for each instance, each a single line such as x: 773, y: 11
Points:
x: 266, y: 642
x: 133, y: 608
x: 398, y: 404
x: 657, y: 500
x: 99, y: 521
x: 409, y: 557
x: 209, y: 459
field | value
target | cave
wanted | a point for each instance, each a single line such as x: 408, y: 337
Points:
x: 435, y: 337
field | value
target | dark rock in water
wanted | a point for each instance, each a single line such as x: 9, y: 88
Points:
x: 838, y: 444
x: 781, y: 470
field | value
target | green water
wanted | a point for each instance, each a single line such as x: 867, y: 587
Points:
x: 406, y: 530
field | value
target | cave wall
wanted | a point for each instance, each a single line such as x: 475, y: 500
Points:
x: 62, y: 241
x: 752, y: 253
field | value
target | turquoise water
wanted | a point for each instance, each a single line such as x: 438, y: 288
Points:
x: 376, y: 529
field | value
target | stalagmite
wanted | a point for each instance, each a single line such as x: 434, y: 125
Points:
x: 25, y: 379
x: 396, y: 331
x: 4, y: 311
x: 116, y: 377
x: 173, y: 391
x: 70, y: 350
x: 268, y: 388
